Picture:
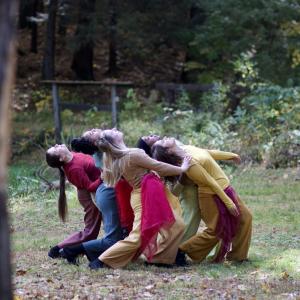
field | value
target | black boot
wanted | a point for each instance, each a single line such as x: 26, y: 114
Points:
x: 54, y: 252
x: 96, y: 264
x: 180, y: 260
x: 70, y: 253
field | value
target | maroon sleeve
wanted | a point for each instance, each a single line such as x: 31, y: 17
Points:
x: 79, y: 178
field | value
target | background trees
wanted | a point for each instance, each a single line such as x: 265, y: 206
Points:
x: 249, y: 51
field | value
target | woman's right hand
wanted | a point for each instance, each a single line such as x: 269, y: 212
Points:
x: 186, y: 163
x: 233, y: 210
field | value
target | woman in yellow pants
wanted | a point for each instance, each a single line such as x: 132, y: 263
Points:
x: 134, y: 165
x: 226, y: 217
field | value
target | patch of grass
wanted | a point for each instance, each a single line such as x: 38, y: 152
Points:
x: 273, y: 270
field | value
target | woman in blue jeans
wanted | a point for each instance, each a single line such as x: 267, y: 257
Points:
x: 107, y: 204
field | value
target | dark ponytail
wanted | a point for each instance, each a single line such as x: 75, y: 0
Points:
x: 83, y: 145
x: 54, y: 162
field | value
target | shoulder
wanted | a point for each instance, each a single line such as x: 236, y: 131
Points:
x: 136, y: 152
x: 195, y: 151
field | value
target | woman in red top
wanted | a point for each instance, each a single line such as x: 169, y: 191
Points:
x: 81, y: 171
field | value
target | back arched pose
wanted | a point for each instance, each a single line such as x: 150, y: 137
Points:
x: 152, y: 212
x: 110, y: 201
x: 184, y: 188
x: 80, y: 170
x: 225, y: 215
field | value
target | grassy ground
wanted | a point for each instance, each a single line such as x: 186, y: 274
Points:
x: 273, y: 270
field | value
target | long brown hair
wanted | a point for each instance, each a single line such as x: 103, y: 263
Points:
x: 113, y: 164
x: 54, y: 162
x: 162, y: 154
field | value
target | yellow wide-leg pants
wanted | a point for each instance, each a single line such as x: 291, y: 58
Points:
x: 121, y: 253
x: 200, y: 245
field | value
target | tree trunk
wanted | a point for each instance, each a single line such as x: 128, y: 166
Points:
x: 235, y: 96
x: 83, y: 57
x: 63, y: 18
x: 8, y: 11
x: 24, y: 12
x: 112, y: 42
x: 196, y: 17
x: 34, y: 28
x: 48, y: 70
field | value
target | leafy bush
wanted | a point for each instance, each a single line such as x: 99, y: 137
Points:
x: 284, y: 150
x: 264, y: 115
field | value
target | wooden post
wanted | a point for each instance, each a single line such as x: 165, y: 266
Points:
x: 56, y: 112
x: 114, y: 105
x: 8, y: 10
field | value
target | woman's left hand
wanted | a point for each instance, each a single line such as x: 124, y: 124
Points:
x: 237, y: 160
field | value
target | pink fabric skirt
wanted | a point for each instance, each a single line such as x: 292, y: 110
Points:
x: 156, y: 214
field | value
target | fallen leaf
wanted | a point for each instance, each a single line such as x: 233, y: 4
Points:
x: 265, y: 287
x: 149, y: 287
x: 242, y: 287
x: 285, y: 275
x: 147, y: 294
x: 21, y: 272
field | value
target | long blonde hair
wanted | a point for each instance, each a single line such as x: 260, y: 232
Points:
x: 113, y: 162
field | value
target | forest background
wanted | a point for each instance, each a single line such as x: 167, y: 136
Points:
x: 243, y: 60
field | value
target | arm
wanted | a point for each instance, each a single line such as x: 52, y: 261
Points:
x: 200, y: 176
x: 143, y: 160
x: 80, y: 179
x: 222, y: 155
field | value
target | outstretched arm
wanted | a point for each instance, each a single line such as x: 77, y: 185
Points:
x: 163, y: 169
x: 223, y: 155
x: 200, y: 176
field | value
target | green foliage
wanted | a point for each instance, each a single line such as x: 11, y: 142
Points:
x: 284, y: 150
x: 266, y: 113
x: 233, y: 27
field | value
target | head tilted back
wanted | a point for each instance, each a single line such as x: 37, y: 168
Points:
x: 113, y: 164
x: 83, y: 145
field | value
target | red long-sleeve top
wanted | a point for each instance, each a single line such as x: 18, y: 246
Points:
x: 82, y: 172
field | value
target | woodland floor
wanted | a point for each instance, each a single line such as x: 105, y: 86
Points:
x: 272, y: 273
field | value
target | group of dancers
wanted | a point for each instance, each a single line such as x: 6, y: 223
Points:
x: 150, y: 201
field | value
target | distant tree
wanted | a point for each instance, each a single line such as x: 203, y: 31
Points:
x: 112, y: 38
x: 48, y: 68
x: 8, y: 11
x: 28, y: 13
x: 83, y: 56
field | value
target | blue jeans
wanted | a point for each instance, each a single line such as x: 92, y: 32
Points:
x: 107, y: 204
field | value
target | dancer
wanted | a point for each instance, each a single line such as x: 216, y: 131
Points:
x: 108, y: 201
x: 122, y: 189
x: 80, y: 170
x: 152, y: 212
x: 185, y: 189
x: 225, y: 215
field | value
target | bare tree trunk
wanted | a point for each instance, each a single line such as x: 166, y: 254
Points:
x: 8, y: 11
x: 83, y: 57
x: 112, y: 42
x: 48, y: 70
x: 34, y: 28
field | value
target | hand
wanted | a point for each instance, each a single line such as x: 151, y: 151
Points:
x: 233, y: 210
x: 237, y: 160
x: 186, y: 163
